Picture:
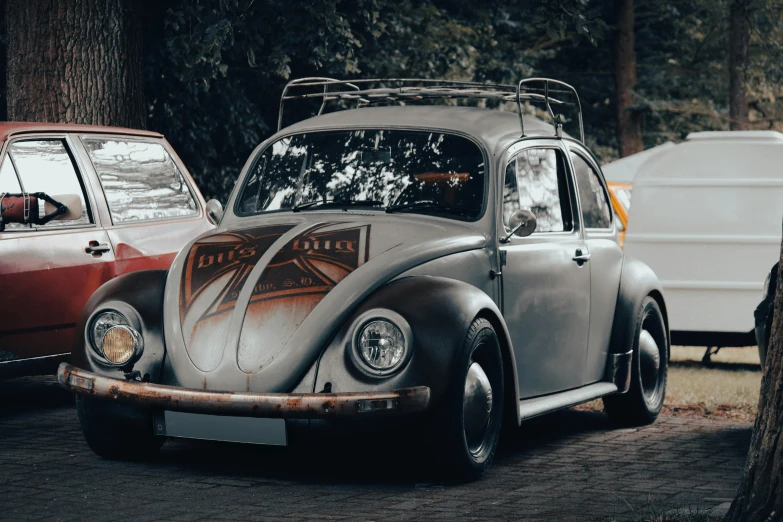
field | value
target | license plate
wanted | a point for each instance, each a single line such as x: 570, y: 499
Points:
x: 247, y: 430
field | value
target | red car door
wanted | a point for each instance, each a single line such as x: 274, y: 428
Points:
x: 154, y: 207
x: 47, y: 272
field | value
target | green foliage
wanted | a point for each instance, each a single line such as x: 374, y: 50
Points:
x: 682, y: 70
x: 216, y: 68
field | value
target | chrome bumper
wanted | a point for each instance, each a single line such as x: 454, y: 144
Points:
x: 271, y: 405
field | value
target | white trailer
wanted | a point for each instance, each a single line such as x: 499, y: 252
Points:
x: 706, y: 217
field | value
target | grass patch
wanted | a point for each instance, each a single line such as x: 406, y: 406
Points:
x: 726, y: 356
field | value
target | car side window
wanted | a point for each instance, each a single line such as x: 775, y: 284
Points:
x: 536, y: 180
x: 140, y: 180
x: 45, y: 165
x: 9, y: 184
x: 510, y: 192
x: 596, y: 209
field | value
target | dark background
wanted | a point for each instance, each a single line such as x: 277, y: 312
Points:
x: 213, y: 70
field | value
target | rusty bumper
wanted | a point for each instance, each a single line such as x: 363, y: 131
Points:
x: 271, y: 405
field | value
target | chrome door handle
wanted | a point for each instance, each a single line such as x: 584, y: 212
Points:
x: 581, y: 258
x: 97, y: 248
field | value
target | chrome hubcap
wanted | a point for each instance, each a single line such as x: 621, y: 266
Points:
x: 476, y: 406
x: 649, y: 364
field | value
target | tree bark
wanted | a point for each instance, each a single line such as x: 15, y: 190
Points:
x: 629, y: 129
x: 75, y: 61
x: 760, y: 496
x: 739, y: 38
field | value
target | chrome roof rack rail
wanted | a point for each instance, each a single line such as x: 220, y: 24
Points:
x: 390, y: 90
x: 544, y: 94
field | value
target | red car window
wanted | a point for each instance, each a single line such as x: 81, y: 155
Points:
x: 46, y: 165
x: 140, y: 180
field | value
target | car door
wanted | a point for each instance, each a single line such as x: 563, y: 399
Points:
x: 154, y: 209
x: 545, y: 279
x: 606, y: 261
x: 47, y: 272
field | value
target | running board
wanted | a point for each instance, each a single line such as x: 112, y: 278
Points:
x: 530, y: 408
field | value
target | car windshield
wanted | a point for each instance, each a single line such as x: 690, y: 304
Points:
x: 401, y: 171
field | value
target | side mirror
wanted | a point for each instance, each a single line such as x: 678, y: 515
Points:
x: 72, y: 201
x: 522, y: 223
x: 214, y: 211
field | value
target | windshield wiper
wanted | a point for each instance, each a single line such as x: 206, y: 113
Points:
x: 338, y: 203
x: 461, y: 210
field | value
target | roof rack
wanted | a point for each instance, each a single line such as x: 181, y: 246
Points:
x: 393, y: 90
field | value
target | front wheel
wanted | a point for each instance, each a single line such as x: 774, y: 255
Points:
x: 644, y: 400
x: 112, y: 434
x: 469, y: 418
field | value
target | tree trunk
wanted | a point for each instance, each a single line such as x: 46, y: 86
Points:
x: 629, y: 129
x: 739, y: 37
x: 75, y: 61
x: 760, y: 496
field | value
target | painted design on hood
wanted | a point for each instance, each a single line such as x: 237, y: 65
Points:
x: 295, y: 281
x: 216, y: 269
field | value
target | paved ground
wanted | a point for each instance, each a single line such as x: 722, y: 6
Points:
x: 571, y: 465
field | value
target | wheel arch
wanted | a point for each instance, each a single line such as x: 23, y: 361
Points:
x: 142, y: 293
x: 510, y: 379
x: 637, y: 283
x: 658, y: 296
x: 440, y: 311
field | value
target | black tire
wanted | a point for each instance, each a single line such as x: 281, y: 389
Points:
x: 116, y: 436
x: 464, y: 450
x: 644, y: 400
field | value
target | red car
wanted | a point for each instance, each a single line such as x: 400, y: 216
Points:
x: 79, y: 206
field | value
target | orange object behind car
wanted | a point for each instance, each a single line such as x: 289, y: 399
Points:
x: 620, y: 194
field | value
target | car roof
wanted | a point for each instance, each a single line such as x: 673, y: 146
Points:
x: 494, y: 128
x: 10, y: 128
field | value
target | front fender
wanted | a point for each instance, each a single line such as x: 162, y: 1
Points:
x: 439, y: 311
x: 637, y: 282
x: 137, y: 293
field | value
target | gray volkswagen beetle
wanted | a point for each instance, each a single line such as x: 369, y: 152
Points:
x: 440, y: 268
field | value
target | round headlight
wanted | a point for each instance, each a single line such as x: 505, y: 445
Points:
x: 102, y: 323
x: 120, y: 344
x: 114, y: 338
x: 381, y: 345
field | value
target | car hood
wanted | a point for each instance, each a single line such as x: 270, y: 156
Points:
x: 249, y: 309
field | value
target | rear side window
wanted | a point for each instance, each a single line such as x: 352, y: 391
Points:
x: 536, y: 181
x: 596, y: 209
x: 140, y: 180
x: 43, y: 165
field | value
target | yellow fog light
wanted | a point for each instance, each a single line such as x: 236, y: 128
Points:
x: 120, y: 344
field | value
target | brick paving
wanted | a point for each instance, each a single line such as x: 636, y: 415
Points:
x: 571, y: 465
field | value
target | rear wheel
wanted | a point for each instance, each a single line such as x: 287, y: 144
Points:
x: 644, y: 400
x: 112, y: 434
x: 470, y: 416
